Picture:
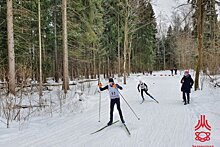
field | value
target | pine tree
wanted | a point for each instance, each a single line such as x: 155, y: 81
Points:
x: 3, y: 40
x: 145, y: 38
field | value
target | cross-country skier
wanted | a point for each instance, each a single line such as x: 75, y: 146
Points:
x: 187, y: 83
x: 144, y: 88
x: 115, y: 98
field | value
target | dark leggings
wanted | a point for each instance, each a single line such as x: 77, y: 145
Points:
x: 142, y: 91
x: 112, y: 104
x: 184, y: 97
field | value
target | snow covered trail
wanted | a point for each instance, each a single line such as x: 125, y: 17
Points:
x: 166, y: 124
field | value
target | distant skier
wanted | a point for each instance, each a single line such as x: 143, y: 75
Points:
x: 115, y: 98
x: 175, y: 69
x: 187, y: 83
x: 144, y: 88
x: 171, y: 71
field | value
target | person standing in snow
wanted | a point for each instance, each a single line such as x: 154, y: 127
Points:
x: 144, y: 88
x: 115, y: 98
x: 175, y: 69
x: 171, y: 71
x: 187, y: 83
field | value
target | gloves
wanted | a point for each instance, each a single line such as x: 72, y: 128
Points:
x: 100, y: 85
x: 114, y: 86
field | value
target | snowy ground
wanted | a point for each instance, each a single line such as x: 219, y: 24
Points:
x: 167, y: 124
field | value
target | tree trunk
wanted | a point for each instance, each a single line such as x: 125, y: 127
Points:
x: 65, y: 47
x: 119, y: 64
x: 164, y: 54
x: 129, y: 56
x: 55, y: 43
x: 99, y: 69
x: 108, y: 68
x: 94, y: 64
x: 43, y: 58
x: 40, y: 52
x: 72, y: 72
x: 213, y: 38
x: 11, y: 54
x: 200, y: 41
x: 125, y: 39
x: 129, y: 63
x: 103, y: 68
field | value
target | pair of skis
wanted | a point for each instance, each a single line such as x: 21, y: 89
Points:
x: 152, y: 98
x: 126, y: 128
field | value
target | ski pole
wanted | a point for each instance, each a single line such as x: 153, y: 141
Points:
x: 153, y: 98
x: 99, y: 104
x: 99, y: 99
x: 129, y: 105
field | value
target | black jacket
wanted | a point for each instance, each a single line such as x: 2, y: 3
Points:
x: 145, y: 87
x: 187, y: 83
x: 106, y: 87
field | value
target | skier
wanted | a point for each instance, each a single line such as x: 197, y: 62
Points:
x: 115, y: 98
x: 187, y: 83
x: 144, y: 88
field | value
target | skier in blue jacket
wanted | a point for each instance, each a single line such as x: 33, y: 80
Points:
x: 115, y: 98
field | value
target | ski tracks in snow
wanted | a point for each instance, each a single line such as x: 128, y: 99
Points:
x: 168, y: 123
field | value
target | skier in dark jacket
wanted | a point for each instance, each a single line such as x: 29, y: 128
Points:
x: 175, y: 70
x: 115, y: 98
x: 187, y: 83
x: 144, y: 88
x: 171, y: 71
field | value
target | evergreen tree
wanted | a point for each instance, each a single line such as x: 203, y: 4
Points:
x: 144, y: 42
x: 3, y: 40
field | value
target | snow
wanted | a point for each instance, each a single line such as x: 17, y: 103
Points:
x: 166, y: 124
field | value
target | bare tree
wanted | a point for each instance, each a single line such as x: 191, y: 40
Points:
x: 200, y: 22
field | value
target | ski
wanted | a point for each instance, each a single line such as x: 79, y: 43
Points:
x: 151, y: 98
x: 126, y: 128
x: 104, y: 127
x: 142, y: 102
x: 154, y: 99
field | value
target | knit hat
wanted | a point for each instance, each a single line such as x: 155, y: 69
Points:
x: 111, y: 80
x: 186, y: 72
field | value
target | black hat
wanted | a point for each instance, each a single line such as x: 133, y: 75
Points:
x: 111, y: 80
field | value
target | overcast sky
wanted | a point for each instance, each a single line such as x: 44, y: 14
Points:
x: 163, y: 10
x: 166, y: 6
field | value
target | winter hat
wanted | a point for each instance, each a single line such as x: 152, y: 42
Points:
x: 111, y: 80
x: 186, y: 72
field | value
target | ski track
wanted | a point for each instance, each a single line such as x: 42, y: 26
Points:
x: 166, y: 124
